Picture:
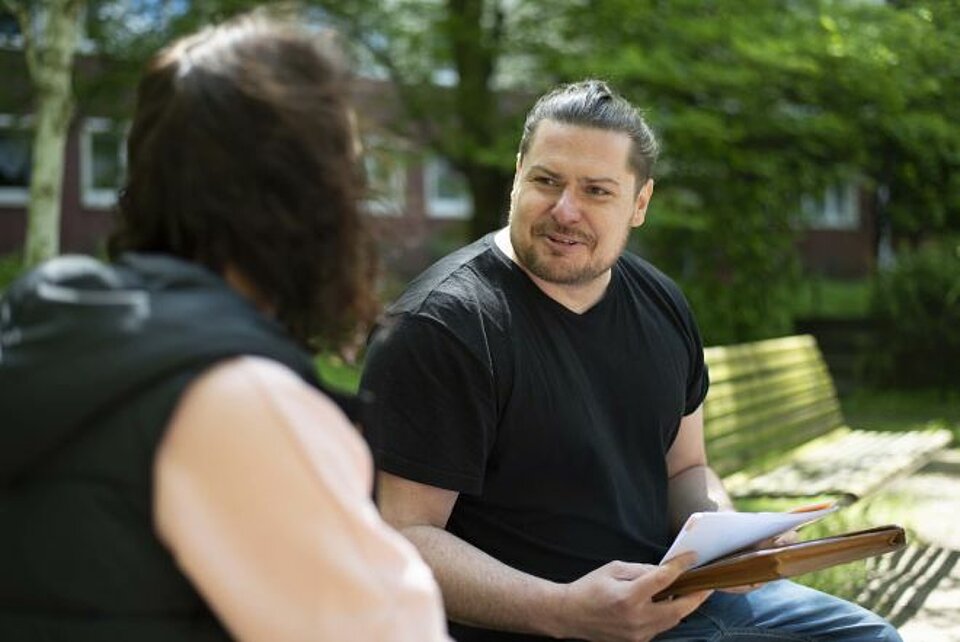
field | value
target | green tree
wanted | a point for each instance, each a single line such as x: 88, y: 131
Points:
x: 760, y: 102
x: 916, y: 306
x: 446, y: 60
x: 122, y: 35
x: 50, y: 32
x: 727, y: 86
x: 909, y: 81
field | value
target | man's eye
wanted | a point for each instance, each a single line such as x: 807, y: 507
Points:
x: 593, y: 190
x: 545, y: 180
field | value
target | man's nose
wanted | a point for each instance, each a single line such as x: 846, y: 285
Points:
x: 567, y: 208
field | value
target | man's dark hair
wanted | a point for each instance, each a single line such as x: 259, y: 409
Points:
x: 242, y: 154
x: 591, y: 103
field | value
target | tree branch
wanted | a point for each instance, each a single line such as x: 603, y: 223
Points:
x: 22, y: 14
x: 360, y: 32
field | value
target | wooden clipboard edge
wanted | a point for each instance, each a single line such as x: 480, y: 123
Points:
x: 764, y: 565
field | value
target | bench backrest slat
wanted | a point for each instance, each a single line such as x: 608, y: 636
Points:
x: 765, y: 398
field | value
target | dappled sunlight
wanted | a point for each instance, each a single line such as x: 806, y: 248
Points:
x: 938, y: 620
x: 918, y: 588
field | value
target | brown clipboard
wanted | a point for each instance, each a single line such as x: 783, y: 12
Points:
x: 764, y: 565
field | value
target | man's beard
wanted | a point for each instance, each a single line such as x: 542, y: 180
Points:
x: 554, y: 269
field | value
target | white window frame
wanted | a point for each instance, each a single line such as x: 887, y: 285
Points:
x: 15, y: 42
x: 12, y: 41
x: 97, y: 197
x: 837, y: 208
x: 443, y: 207
x: 15, y: 196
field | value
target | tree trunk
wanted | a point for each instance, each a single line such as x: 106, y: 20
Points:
x: 490, y: 195
x: 475, y: 48
x: 50, y: 51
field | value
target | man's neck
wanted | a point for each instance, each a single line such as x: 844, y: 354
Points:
x: 577, y: 298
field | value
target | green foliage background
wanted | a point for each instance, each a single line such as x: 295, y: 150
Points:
x: 758, y: 103
x: 11, y: 266
x: 761, y: 102
x: 916, y: 306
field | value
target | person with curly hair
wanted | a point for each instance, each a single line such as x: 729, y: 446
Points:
x: 171, y: 467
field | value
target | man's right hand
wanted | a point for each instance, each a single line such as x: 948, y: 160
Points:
x: 615, y: 603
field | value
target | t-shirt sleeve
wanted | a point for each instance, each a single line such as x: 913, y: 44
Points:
x: 698, y: 386
x: 698, y: 378
x: 432, y: 417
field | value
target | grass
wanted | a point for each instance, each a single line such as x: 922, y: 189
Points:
x: 822, y: 298
x: 11, y: 265
x: 337, y: 373
x: 899, y: 409
x: 847, y: 580
x: 875, y: 410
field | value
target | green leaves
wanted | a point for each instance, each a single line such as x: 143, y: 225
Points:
x: 759, y: 103
x: 917, y: 308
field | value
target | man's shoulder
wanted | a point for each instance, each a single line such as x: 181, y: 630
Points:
x: 644, y: 277
x: 467, y: 280
x: 637, y: 267
x: 462, y: 297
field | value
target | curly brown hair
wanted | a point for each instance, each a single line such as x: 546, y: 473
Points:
x: 242, y: 154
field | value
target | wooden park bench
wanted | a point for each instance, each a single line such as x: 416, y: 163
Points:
x: 774, y: 427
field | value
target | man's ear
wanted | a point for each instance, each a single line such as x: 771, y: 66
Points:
x: 516, y: 177
x: 641, y: 203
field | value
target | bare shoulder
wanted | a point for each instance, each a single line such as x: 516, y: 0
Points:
x: 248, y: 402
x: 245, y: 373
x: 252, y: 385
x: 251, y: 413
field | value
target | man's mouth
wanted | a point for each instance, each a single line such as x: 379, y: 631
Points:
x: 563, y: 240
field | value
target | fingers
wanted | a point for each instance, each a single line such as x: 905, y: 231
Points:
x: 689, y: 602
x: 682, y: 561
x: 790, y: 537
x: 664, y: 575
x: 628, y: 571
x: 784, y: 539
x: 770, y: 542
x: 672, y: 610
x: 679, y: 564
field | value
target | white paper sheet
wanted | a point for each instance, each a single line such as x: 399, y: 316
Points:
x: 713, y: 535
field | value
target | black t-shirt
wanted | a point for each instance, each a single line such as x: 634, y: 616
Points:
x: 552, y: 425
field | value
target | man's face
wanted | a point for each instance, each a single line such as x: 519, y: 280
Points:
x: 573, y: 203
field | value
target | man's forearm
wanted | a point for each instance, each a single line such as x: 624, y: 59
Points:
x: 697, y: 488
x: 479, y: 590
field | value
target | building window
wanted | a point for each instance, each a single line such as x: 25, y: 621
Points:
x: 16, y: 142
x: 447, y: 192
x: 386, y: 175
x: 10, y: 36
x: 102, y: 162
x: 837, y: 209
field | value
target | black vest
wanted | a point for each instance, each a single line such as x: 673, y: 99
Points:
x: 93, y: 360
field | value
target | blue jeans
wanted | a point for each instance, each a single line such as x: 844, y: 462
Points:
x: 780, y: 611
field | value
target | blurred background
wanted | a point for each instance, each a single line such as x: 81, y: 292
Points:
x: 810, y: 174
x: 809, y: 180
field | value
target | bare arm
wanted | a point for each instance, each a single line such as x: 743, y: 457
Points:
x: 611, y: 603
x: 692, y: 485
x: 261, y: 492
x: 477, y: 588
